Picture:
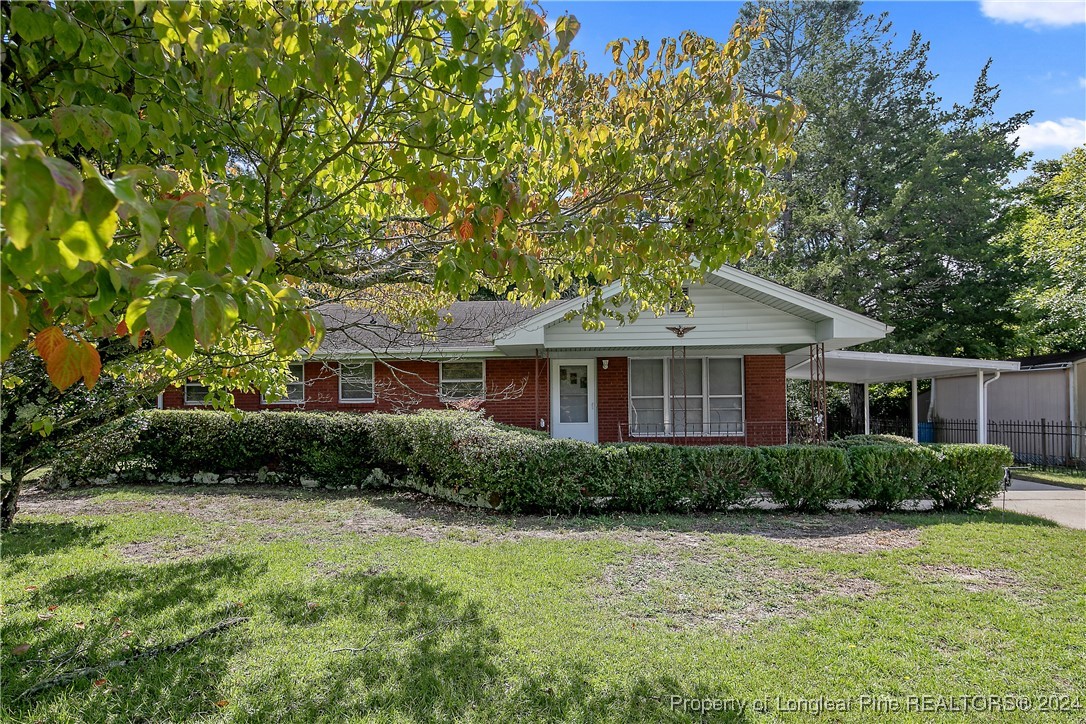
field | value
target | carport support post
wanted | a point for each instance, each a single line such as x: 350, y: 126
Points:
x: 915, y: 417
x: 867, y: 409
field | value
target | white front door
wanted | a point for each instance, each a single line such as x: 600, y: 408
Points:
x: 573, y: 399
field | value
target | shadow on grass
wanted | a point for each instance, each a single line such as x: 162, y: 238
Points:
x: 416, y: 510
x: 424, y: 652
x: 28, y: 539
x: 170, y: 686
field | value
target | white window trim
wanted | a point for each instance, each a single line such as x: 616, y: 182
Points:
x: 706, y: 398
x: 373, y: 383
x: 441, y: 380
x: 185, y: 390
x: 287, y: 400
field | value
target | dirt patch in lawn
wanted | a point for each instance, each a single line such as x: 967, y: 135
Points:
x: 972, y: 579
x: 726, y: 589
x: 315, y: 514
x: 162, y: 551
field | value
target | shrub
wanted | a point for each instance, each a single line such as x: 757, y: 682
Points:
x: 805, y: 477
x: 333, y: 448
x: 465, y: 457
x: 469, y: 456
x: 884, y: 476
x: 853, y: 440
x: 967, y: 476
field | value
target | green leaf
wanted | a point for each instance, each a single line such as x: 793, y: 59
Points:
x: 246, y: 254
x: 207, y: 318
x: 31, y: 21
x: 135, y: 316
x: 181, y: 340
x: 292, y: 334
x: 28, y: 188
x: 162, y: 315
x: 88, y: 238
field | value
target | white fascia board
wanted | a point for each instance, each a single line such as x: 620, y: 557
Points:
x: 411, y: 353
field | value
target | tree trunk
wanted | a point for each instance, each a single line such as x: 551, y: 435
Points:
x: 856, y: 407
x: 10, y: 487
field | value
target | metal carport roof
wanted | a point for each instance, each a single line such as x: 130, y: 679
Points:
x: 876, y: 367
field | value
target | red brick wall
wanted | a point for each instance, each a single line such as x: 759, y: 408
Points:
x: 411, y: 385
x: 512, y: 389
x: 612, y: 398
x: 764, y: 393
x: 512, y: 386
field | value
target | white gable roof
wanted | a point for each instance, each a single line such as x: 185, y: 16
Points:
x: 733, y: 309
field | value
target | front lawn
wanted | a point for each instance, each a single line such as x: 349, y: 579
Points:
x: 1066, y: 478
x: 392, y: 608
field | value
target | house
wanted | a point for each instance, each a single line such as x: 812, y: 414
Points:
x: 715, y: 375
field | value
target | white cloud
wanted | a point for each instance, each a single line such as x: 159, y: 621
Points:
x: 1062, y: 135
x: 1036, y: 13
x: 1082, y: 82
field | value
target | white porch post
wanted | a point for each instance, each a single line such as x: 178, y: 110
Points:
x: 915, y: 417
x: 867, y: 409
x: 982, y: 409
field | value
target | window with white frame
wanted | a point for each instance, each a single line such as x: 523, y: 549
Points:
x: 295, y: 387
x: 696, y: 396
x: 462, y: 380
x: 356, y: 381
x: 195, y: 393
x: 680, y: 301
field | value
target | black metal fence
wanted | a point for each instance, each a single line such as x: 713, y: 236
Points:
x: 1040, y: 443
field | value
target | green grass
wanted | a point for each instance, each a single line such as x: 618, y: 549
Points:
x: 470, y: 616
x: 1069, y: 478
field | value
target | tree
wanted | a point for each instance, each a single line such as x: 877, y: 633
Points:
x: 1048, y: 227
x: 893, y: 203
x: 211, y: 173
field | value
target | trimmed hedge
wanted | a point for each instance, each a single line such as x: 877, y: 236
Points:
x: 806, y: 477
x: 968, y: 475
x: 886, y: 475
x: 329, y: 447
x: 881, y: 439
x: 465, y: 457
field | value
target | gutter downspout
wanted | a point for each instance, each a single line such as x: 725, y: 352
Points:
x: 983, y: 438
x: 1072, y: 395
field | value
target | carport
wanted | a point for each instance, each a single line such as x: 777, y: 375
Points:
x: 869, y: 368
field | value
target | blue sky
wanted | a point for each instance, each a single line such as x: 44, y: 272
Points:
x: 1038, y: 49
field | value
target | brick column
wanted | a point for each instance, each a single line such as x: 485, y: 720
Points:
x: 764, y: 391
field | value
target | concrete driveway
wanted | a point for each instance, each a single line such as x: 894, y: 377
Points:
x: 1065, y: 506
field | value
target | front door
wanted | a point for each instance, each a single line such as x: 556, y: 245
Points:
x: 573, y: 399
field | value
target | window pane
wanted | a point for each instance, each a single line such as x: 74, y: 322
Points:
x: 356, y: 381
x: 462, y: 370
x: 725, y: 377
x: 726, y: 415
x: 646, y: 377
x: 351, y: 390
x: 688, y: 417
x: 195, y: 393
x: 295, y: 392
x: 688, y: 384
x: 297, y: 371
x: 647, y: 415
x: 461, y: 390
